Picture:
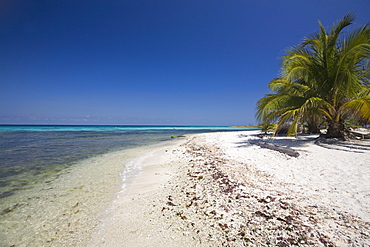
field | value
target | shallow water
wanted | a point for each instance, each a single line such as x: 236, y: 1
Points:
x: 56, y: 180
x: 64, y: 210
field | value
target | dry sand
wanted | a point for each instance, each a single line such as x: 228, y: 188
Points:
x: 218, y: 189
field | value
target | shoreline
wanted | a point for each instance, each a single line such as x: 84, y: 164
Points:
x: 217, y: 189
x: 68, y: 208
x: 210, y: 189
x: 134, y: 217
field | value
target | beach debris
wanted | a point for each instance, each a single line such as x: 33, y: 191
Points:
x: 281, y: 149
x: 223, y: 205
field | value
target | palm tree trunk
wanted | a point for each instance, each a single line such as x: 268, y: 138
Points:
x: 336, y: 129
x: 313, y: 127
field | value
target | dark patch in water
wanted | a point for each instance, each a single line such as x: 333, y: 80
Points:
x: 10, y: 209
x: 6, y: 194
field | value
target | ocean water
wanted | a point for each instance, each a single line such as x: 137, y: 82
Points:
x: 29, y: 154
x: 51, y: 177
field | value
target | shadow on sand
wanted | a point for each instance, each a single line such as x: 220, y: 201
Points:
x: 358, y: 146
x: 301, y: 141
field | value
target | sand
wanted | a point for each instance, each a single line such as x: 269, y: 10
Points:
x: 219, y: 189
x: 135, y: 218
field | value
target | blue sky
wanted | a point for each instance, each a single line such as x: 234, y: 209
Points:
x: 170, y: 62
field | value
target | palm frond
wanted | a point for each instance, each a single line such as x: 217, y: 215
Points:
x: 347, y: 20
x: 358, y: 108
x: 327, y: 76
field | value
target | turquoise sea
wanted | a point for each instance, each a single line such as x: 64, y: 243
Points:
x: 45, y: 169
x: 30, y: 153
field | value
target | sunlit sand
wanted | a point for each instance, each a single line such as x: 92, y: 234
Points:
x: 218, y: 188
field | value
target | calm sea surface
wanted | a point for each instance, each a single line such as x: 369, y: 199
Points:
x: 55, y: 181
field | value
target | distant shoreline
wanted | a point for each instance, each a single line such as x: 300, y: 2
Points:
x: 136, y: 125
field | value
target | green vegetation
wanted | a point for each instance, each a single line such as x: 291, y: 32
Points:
x: 324, y: 83
x: 268, y: 127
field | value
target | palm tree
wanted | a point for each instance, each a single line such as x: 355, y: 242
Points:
x: 290, y: 104
x: 324, y: 79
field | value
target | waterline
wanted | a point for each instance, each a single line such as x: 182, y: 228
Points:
x: 55, y: 184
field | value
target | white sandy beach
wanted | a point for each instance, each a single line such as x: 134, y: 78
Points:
x: 218, y: 189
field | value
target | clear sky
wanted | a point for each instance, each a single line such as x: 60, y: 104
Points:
x: 171, y: 62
